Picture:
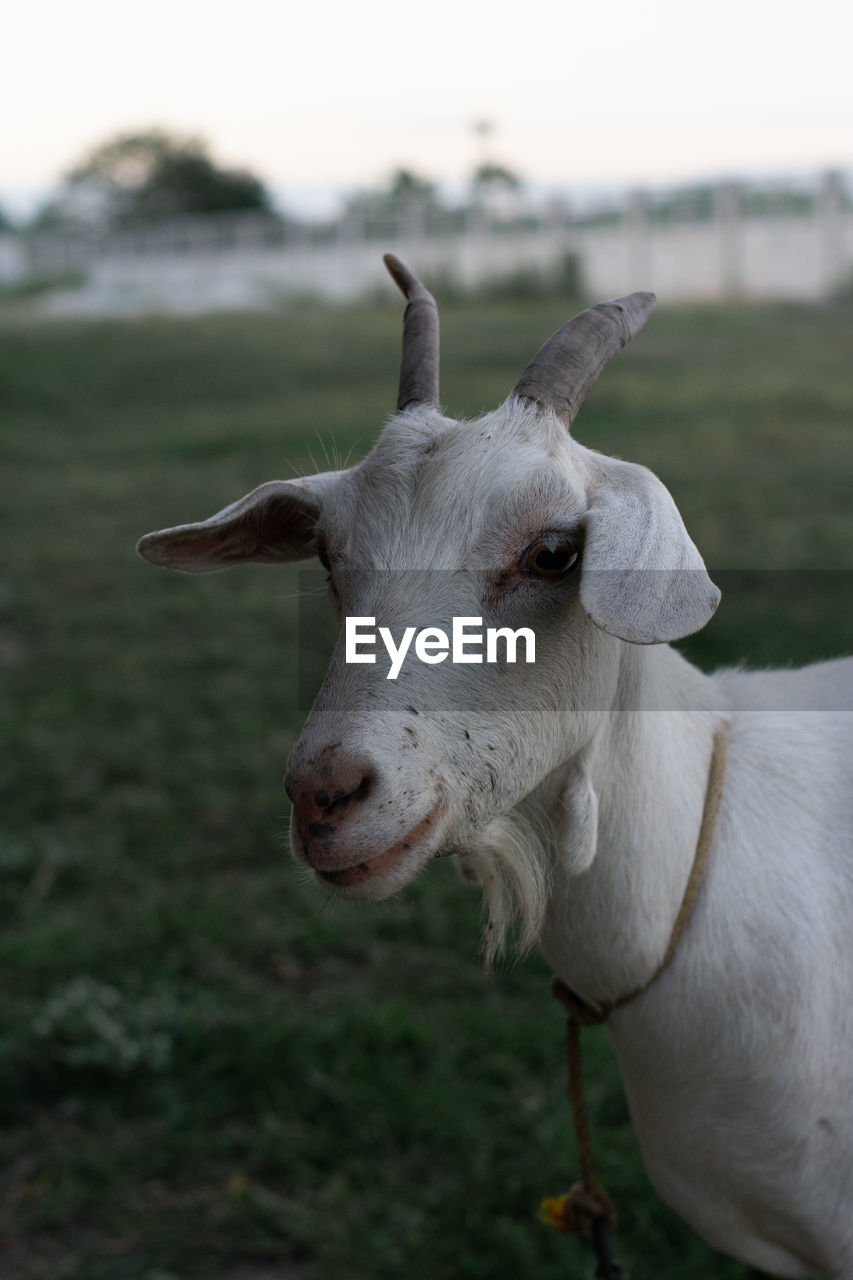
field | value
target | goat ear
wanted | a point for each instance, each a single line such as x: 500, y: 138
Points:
x: 643, y: 579
x: 275, y: 522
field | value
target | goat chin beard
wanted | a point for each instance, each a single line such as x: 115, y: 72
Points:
x: 504, y: 860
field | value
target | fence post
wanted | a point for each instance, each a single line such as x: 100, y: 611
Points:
x: 727, y: 212
x: 413, y: 219
x: 639, y: 241
x: 830, y: 230
x: 351, y: 228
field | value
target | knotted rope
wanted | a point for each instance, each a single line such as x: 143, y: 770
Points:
x: 586, y: 1209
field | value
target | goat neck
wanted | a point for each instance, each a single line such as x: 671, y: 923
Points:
x: 633, y: 801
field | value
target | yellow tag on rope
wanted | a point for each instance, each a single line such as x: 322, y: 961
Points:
x: 575, y: 1212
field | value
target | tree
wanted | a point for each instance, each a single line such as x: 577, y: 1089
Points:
x: 405, y: 186
x: 403, y: 190
x: 496, y: 190
x: 490, y: 176
x: 137, y: 177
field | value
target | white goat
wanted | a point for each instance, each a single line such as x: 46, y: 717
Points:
x: 574, y: 788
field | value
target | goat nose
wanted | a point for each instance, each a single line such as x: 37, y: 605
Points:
x: 328, y: 793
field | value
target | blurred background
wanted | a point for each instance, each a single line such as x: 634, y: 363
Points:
x: 207, y: 1069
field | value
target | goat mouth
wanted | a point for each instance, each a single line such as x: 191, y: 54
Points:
x: 371, y: 868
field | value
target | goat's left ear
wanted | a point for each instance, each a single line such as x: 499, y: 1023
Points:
x: 275, y: 522
x: 642, y: 579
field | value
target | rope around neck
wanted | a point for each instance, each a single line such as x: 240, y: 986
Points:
x: 587, y: 1208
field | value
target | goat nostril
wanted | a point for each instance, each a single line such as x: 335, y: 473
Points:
x: 364, y: 787
x: 339, y: 798
x: 322, y: 795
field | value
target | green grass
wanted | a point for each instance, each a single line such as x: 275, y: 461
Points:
x: 206, y: 1070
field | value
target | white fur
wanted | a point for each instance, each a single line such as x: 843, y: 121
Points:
x: 574, y: 791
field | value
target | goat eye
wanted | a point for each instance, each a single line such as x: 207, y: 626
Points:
x: 551, y: 557
x: 323, y: 557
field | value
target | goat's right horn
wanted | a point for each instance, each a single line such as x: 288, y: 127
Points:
x: 563, y: 370
x: 419, y: 367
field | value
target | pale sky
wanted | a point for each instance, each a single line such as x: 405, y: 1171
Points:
x: 319, y: 97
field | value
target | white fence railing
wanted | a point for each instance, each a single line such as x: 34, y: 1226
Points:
x: 247, y: 261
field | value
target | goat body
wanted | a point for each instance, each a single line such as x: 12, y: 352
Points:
x: 572, y: 789
x: 738, y: 1059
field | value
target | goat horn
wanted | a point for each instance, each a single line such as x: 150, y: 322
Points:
x: 419, y: 368
x: 563, y: 370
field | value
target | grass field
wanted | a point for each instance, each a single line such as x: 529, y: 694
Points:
x: 205, y: 1069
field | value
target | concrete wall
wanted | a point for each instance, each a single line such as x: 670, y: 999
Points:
x: 804, y: 256
x: 13, y: 260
